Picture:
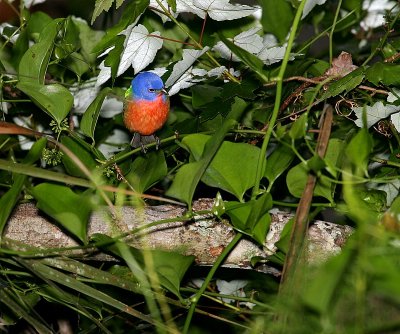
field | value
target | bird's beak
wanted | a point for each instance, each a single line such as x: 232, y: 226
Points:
x: 163, y: 91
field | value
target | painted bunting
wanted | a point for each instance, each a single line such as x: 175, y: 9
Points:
x: 146, y: 108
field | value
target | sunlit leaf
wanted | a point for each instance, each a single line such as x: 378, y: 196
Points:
x: 140, y: 48
x: 99, y: 7
x: 374, y: 113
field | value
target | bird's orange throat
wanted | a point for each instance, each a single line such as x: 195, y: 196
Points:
x: 146, y: 117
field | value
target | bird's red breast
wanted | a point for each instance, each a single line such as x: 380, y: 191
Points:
x: 146, y: 117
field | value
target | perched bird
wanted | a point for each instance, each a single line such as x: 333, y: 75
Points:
x: 146, y: 108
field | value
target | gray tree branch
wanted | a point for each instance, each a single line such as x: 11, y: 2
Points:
x: 204, y: 237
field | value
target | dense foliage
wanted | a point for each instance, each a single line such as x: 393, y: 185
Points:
x: 264, y: 99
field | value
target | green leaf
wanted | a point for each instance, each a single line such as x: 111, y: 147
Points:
x: 278, y: 162
x: 99, y: 7
x: 171, y: 268
x: 54, y: 99
x: 321, y: 291
x: 147, y: 170
x: 71, y: 210
x: 89, y: 38
x: 34, y: 62
x: 10, y: 198
x: 86, y: 290
x: 204, y: 94
x: 347, y: 83
x: 37, y: 22
x: 298, y: 129
x: 251, y: 218
x: 172, y: 4
x: 234, y: 178
x: 81, y: 152
x: 252, y: 61
x: 383, y: 73
x: 296, y: 181
x: 277, y: 18
x: 359, y: 149
x: 91, y: 115
x: 189, y: 175
x: 119, y: 3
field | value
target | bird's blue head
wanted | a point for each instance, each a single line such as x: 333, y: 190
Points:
x: 147, y: 86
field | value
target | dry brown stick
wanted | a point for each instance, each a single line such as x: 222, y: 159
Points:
x: 300, y: 225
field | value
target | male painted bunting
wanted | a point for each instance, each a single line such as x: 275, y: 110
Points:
x: 146, y: 108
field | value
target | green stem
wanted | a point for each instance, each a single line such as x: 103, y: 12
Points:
x: 332, y: 31
x: 278, y: 96
x: 323, y: 33
x: 207, y: 280
x: 383, y: 40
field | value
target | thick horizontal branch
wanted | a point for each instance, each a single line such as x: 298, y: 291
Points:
x: 204, y: 237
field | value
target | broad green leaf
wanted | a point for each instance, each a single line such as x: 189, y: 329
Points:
x: 147, y: 170
x: 204, y: 94
x: 81, y: 152
x: 76, y: 63
x: 278, y: 162
x: 383, y: 73
x: 54, y: 99
x: 347, y: 83
x: 189, y: 175
x: 296, y: 181
x: 69, y: 209
x: 10, y: 198
x: 99, y: 7
x: 91, y: 115
x: 248, y: 58
x: 298, y: 129
x: 359, y: 149
x: 37, y: 22
x: 89, y: 38
x: 277, y: 18
x: 321, y: 291
x: 251, y: 218
x: 297, y: 176
x: 171, y: 267
x: 34, y: 62
x: 234, y: 178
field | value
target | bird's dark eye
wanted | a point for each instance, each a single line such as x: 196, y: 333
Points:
x: 152, y: 90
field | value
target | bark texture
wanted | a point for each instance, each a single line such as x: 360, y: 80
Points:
x: 204, y: 237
